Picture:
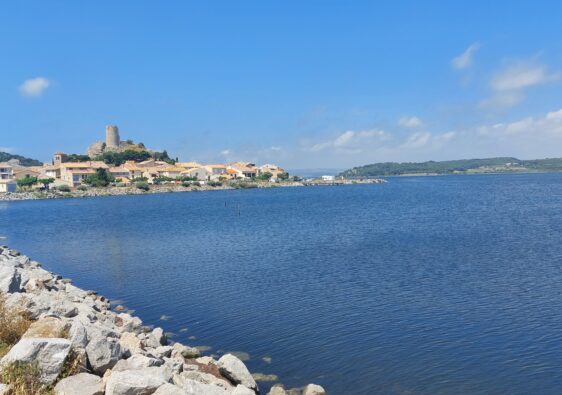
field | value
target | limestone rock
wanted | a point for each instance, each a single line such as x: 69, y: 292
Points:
x: 130, y: 343
x: 181, y: 351
x: 235, y: 370
x: 103, y: 353
x: 47, y: 327
x: 192, y: 387
x: 314, y: 389
x: 48, y: 353
x: 156, y: 338
x: 135, y: 382
x: 169, y: 389
x: 10, y: 279
x: 136, y: 362
x: 277, y: 389
x: 200, y: 377
x: 241, y: 390
x: 5, y: 389
x: 80, y: 384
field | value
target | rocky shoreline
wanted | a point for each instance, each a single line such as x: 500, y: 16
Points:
x: 81, y: 346
x: 131, y: 190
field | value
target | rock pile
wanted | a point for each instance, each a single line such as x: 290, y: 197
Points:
x: 114, y: 352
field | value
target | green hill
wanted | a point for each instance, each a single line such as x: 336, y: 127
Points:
x: 4, y: 157
x: 461, y: 166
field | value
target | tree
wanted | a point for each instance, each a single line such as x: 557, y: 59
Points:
x: 283, y: 176
x: 26, y: 182
x: 101, y: 178
x: 46, y: 182
x: 265, y: 176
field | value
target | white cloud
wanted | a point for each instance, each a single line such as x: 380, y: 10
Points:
x: 6, y: 149
x: 501, y: 101
x: 410, y: 122
x: 509, y: 84
x: 351, y: 141
x: 522, y: 75
x: 34, y: 87
x: 549, y: 125
x: 464, y: 60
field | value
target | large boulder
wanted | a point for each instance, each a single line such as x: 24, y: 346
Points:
x: 235, y: 370
x: 103, y: 353
x: 47, y: 327
x: 201, y: 377
x: 10, y: 278
x: 80, y: 384
x: 130, y: 343
x: 156, y: 338
x: 314, y: 389
x: 277, y: 389
x: 192, y: 387
x: 181, y: 351
x: 48, y: 353
x: 169, y: 389
x: 136, y: 382
x: 241, y: 390
x: 137, y: 361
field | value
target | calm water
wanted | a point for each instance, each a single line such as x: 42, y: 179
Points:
x: 435, y: 285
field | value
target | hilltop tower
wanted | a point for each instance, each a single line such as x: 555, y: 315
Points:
x: 112, y: 136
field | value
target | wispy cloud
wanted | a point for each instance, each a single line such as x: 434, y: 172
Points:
x: 350, y: 141
x: 34, y: 87
x: 6, y: 149
x: 465, y: 59
x: 509, y: 84
x: 410, y: 122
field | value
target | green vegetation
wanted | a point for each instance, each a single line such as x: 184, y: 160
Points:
x: 4, y: 157
x: 214, y: 183
x: 46, y: 182
x: 13, y: 324
x: 118, y: 158
x: 264, y: 176
x: 63, y: 188
x: 101, y: 178
x: 142, y: 185
x: 82, y: 188
x: 283, y: 177
x: 76, y: 158
x: 463, y: 166
x: 26, y: 182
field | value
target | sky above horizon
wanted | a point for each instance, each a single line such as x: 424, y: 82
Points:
x: 304, y: 84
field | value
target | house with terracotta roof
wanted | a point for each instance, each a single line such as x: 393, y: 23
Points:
x: 244, y: 169
x: 74, y: 173
x: 189, y: 165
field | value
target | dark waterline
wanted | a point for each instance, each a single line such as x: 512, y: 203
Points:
x: 424, y: 285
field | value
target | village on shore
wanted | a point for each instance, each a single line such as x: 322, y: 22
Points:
x: 114, y: 167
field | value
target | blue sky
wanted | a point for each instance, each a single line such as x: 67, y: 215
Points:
x: 306, y: 84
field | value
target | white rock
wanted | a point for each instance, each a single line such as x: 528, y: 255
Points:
x: 47, y: 327
x: 80, y: 384
x: 314, y: 389
x: 135, y: 382
x: 169, y: 389
x: 10, y: 278
x: 181, y: 351
x: 277, y: 389
x: 200, y: 377
x: 156, y: 338
x: 48, y: 353
x: 130, y: 343
x: 235, y: 370
x: 137, y: 361
x: 5, y: 389
x: 78, y: 335
x: 241, y: 390
x: 192, y: 387
x: 103, y: 353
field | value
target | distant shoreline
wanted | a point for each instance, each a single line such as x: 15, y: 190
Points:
x: 157, y: 189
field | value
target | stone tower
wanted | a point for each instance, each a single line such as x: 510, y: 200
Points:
x: 112, y: 136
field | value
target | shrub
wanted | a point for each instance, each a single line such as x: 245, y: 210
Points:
x: 142, y: 186
x: 196, y: 184
x: 214, y: 183
x: 82, y: 187
x: 121, y: 185
x: 101, y: 178
x: 25, y: 378
x: 63, y: 188
x: 186, y: 184
x: 13, y: 324
x: 26, y: 182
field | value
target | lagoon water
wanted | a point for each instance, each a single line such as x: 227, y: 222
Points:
x: 423, y: 285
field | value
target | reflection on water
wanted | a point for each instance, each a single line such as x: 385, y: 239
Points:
x: 430, y: 285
